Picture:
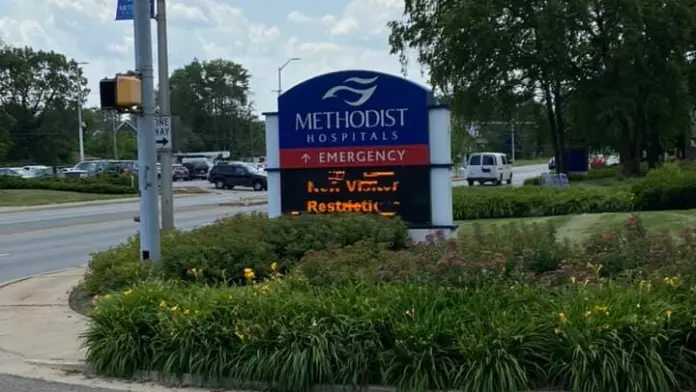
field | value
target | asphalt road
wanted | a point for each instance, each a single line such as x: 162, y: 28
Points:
x: 519, y: 174
x: 20, y: 384
x: 41, y: 241
x: 33, y: 242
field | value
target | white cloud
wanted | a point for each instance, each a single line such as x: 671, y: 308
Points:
x: 343, y: 34
x: 299, y: 17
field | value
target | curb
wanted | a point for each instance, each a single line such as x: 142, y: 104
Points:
x: 22, y: 279
x: 190, y: 381
x: 243, y: 203
x: 46, y: 207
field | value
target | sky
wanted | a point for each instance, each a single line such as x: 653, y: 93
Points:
x: 327, y: 35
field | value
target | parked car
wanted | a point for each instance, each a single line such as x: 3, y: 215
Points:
x: 180, y: 172
x: 493, y: 167
x: 598, y: 161
x: 197, y: 169
x: 91, y: 168
x: 227, y: 175
x: 10, y: 171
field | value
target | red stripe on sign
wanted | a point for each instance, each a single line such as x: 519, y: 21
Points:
x: 411, y: 155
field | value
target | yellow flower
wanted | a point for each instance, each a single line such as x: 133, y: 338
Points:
x: 163, y: 304
x: 240, y: 336
x: 95, y: 299
x: 562, y: 318
x: 605, y: 326
x: 107, y: 296
x: 274, y: 266
x: 249, y: 274
x: 266, y: 288
x: 174, y: 308
x: 558, y: 331
x: 673, y: 281
x: 187, y: 311
x: 669, y: 313
x: 128, y: 292
x: 588, y: 314
x: 573, y: 280
x: 601, y: 309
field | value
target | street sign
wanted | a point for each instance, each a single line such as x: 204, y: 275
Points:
x: 124, y: 9
x: 163, y: 133
x: 371, y: 127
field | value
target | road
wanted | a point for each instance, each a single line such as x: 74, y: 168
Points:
x: 519, y: 174
x: 20, y: 384
x: 33, y: 242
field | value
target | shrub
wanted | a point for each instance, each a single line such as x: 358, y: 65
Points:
x: 489, y: 203
x: 219, y: 253
x: 671, y: 186
x: 288, y: 336
x: 101, y: 185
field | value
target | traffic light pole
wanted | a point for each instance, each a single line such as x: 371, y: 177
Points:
x: 164, y: 110
x: 147, y: 153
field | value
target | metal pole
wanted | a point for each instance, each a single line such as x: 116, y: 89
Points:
x: 280, y: 82
x: 114, y: 132
x: 147, y: 153
x: 80, y: 129
x: 167, y: 199
x: 513, y: 141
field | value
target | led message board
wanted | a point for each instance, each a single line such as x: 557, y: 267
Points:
x: 387, y: 191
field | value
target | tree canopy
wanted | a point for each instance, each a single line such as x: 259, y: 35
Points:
x: 613, y: 74
x: 211, y: 104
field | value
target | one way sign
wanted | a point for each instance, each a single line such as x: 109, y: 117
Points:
x: 163, y: 133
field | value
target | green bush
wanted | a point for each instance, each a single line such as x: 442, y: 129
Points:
x: 488, y: 203
x: 101, y: 184
x: 289, y: 336
x: 219, y: 253
x: 672, y: 186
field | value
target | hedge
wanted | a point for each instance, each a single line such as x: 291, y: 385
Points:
x: 224, y: 249
x: 466, y: 315
x: 102, y: 184
x: 672, y: 186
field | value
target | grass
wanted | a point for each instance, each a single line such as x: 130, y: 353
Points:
x: 35, y: 197
x: 525, y: 162
x: 579, y: 227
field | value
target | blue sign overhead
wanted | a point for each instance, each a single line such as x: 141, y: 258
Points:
x: 124, y: 9
x: 354, y: 109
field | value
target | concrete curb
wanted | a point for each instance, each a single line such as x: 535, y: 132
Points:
x: 41, y: 275
x: 189, y: 380
x: 243, y: 203
x: 45, y: 207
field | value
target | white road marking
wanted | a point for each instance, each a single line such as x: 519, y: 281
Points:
x: 4, y: 254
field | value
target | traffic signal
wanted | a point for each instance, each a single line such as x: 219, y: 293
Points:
x: 122, y: 93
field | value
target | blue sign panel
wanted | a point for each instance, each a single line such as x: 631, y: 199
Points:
x: 124, y: 9
x: 354, y: 109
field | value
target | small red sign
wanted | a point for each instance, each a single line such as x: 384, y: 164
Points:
x: 301, y: 158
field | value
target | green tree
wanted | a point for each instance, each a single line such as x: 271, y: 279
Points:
x: 38, y: 102
x: 213, y: 109
x: 483, y: 53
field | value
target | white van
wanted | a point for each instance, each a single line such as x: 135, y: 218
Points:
x: 493, y: 167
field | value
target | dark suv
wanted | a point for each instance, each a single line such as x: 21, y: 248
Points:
x: 197, y: 169
x: 227, y: 175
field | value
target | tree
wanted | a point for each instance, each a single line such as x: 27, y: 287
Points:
x: 38, y: 101
x: 615, y: 74
x: 484, y: 53
x: 211, y: 100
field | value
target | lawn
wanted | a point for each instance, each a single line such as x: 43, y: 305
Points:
x: 35, y: 197
x: 525, y: 162
x: 579, y: 227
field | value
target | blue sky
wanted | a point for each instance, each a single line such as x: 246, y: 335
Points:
x: 328, y: 35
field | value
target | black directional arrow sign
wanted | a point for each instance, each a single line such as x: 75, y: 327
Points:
x: 162, y: 141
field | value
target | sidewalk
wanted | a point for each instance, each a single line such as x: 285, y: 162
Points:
x: 39, y: 334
